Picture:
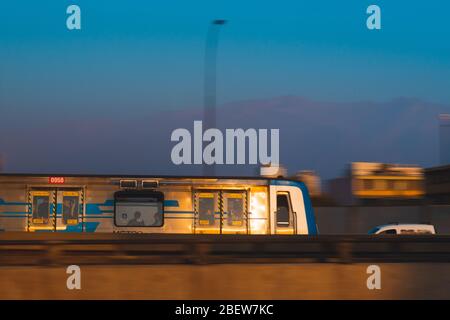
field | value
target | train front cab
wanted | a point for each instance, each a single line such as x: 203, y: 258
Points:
x: 280, y: 207
x: 290, y: 208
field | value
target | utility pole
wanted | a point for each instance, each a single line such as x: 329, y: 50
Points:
x: 209, y: 109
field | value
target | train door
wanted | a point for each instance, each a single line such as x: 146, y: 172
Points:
x: 287, y: 210
x: 42, y: 210
x: 55, y: 209
x: 234, y: 214
x: 219, y: 212
x: 207, y: 213
x: 69, y: 210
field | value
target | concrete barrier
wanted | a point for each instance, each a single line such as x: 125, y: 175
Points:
x: 230, y: 281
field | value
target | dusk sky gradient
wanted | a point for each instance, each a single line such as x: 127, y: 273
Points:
x: 132, y: 56
x: 150, y: 54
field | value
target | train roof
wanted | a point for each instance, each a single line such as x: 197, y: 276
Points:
x: 145, y: 176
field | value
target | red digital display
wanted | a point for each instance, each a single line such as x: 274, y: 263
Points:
x: 56, y: 180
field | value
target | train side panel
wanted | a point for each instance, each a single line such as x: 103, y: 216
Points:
x: 13, y: 207
x: 234, y: 206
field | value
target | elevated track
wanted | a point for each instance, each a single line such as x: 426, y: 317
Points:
x: 53, y: 249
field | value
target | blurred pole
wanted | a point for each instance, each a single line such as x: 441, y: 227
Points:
x: 209, y: 109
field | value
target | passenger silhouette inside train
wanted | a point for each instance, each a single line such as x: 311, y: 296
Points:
x: 137, y: 221
x: 234, y: 212
x: 206, y: 211
x: 158, y: 219
x: 210, y: 216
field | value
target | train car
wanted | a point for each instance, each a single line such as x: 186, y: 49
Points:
x: 154, y: 204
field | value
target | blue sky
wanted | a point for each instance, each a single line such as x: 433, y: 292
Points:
x: 135, y: 57
x: 149, y: 54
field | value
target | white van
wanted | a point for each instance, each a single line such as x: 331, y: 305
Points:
x: 404, y: 229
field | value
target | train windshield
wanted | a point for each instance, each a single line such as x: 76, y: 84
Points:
x: 139, y: 210
x: 374, y: 230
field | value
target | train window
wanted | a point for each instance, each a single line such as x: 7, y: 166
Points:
x: 139, y: 209
x: 70, y: 207
x: 419, y: 231
x: 149, y: 184
x: 390, y: 185
x: 128, y: 184
x: 401, y: 185
x: 283, y: 210
x: 415, y: 185
x: 234, y: 207
x: 207, y: 208
x: 379, y: 184
x: 368, y: 184
x: 41, y: 208
x: 389, y: 231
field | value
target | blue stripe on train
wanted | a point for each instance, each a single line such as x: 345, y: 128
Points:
x: 14, y: 216
x: 88, y: 227
x: 14, y: 213
x: 94, y: 208
x: 4, y: 203
x: 91, y: 208
x: 171, y: 203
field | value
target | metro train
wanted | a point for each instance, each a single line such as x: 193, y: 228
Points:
x: 154, y: 204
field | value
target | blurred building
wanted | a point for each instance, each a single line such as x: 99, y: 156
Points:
x: 444, y: 138
x: 371, y: 183
x: 2, y: 163
x: 437, y: 185
x: 270, y: 171
x: 311, y: 180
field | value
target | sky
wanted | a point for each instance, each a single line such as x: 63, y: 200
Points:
x: 132, y: 56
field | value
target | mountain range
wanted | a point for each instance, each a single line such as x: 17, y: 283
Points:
x: 317, y: 135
